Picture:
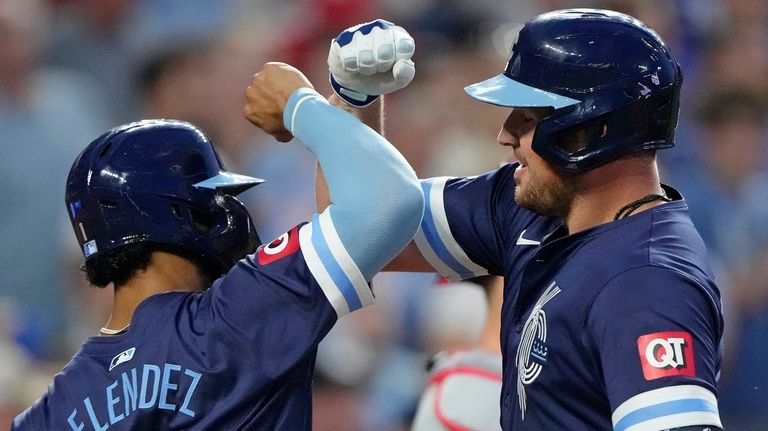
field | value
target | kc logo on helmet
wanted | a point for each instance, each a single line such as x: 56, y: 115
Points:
x: 664, y: 354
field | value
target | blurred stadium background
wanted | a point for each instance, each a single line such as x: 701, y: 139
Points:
x: 70, y: 69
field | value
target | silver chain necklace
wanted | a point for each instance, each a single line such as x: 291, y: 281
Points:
x: 107, y: 331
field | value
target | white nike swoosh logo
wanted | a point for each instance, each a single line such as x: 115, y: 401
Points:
x: 525, y: 241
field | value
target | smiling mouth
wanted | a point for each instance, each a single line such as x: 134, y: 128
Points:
x: 518, y: 175
x: 515, y: 156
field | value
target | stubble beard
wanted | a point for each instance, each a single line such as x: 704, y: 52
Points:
x: 550, y: 198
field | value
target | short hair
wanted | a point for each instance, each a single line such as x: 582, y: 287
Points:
x: 118, y: 265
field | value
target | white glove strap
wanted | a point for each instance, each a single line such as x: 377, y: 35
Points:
x: 351, y: 96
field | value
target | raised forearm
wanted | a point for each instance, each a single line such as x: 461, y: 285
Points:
x: 372, y: 191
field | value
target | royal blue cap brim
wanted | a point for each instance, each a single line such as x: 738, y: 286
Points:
x: 504, y: 91
x: 229, y: 181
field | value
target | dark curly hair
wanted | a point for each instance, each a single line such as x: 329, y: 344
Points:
x: 121, y: 264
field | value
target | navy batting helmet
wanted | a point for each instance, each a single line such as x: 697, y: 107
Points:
x: 603, y: 72
x: 159, y: 181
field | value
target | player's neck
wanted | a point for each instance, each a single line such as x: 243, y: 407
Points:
x: 165, y: 273
x: 607, y: 189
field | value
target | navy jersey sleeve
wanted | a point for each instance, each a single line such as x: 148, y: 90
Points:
x: 276, y: 305
x: 468, y: 223
x: 655, y: 335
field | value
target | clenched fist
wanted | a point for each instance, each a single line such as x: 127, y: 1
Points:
x: 267, y: 95
x: 370, y: 59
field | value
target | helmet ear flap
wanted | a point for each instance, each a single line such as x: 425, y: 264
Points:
x: 577, y: 138
x: 239, y: 220
x: 237, y: 237
x: 217, y: 235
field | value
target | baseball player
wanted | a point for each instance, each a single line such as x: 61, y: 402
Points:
x: 207, y: 332
x: 464, y: 386
x: 611, y: 318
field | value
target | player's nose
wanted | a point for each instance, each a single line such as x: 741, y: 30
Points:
x: 507, y: 138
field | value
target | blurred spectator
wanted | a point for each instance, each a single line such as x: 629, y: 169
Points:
x: 13, y: 362
x: 724, y: 180
x: 729, y: 204
x: 748, y: 12
x: 445, y: 138
x: 384, y: 351
x: 93, y: 37
x: 195, y: 58
x: 108, y: 40
x: 203, y: 82
x: 46, y: 117
x: 729, y: 165
x: 737, y: 56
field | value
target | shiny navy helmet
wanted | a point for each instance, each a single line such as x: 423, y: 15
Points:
x: 601, y: 71
x: 159, y: 181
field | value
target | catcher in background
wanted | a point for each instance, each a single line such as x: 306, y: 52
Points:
x: 464, y: 387
x: 207, y: 331
x: 611, y: 317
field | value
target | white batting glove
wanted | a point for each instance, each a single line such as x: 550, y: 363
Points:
x: 369, y: 60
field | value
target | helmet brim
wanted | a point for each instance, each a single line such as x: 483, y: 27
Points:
x: 232, y: 183
x: 501, y: 90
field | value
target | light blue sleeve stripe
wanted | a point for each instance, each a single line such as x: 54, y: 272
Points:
x: 332, y: 266
x: 430, y: 232
x: 665, y: 409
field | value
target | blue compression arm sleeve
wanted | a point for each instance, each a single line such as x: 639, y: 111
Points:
x: 377, y: 202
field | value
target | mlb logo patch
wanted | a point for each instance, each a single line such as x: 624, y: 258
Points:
x: 664, y: 354
x: 122, y: 358
x: 284, y: 245
x: 90, y: 248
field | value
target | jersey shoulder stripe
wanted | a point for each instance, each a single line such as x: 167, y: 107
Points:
x: 332, y: 266
x: 670, y: 407
x: 434, y: 238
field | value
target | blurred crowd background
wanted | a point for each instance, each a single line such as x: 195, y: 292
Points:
x: 71, y: 69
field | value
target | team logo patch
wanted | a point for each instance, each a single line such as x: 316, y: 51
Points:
x: 284, y: 245
x: 664, y: 354
x: 533, y: 350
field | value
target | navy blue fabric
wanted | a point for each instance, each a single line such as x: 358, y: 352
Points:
x: 239, y: 356
x: 606, y: 287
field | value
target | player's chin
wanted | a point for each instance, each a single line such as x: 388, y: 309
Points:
x: 535, y: 199
x: 526, y: 186
x: 522, y: 197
